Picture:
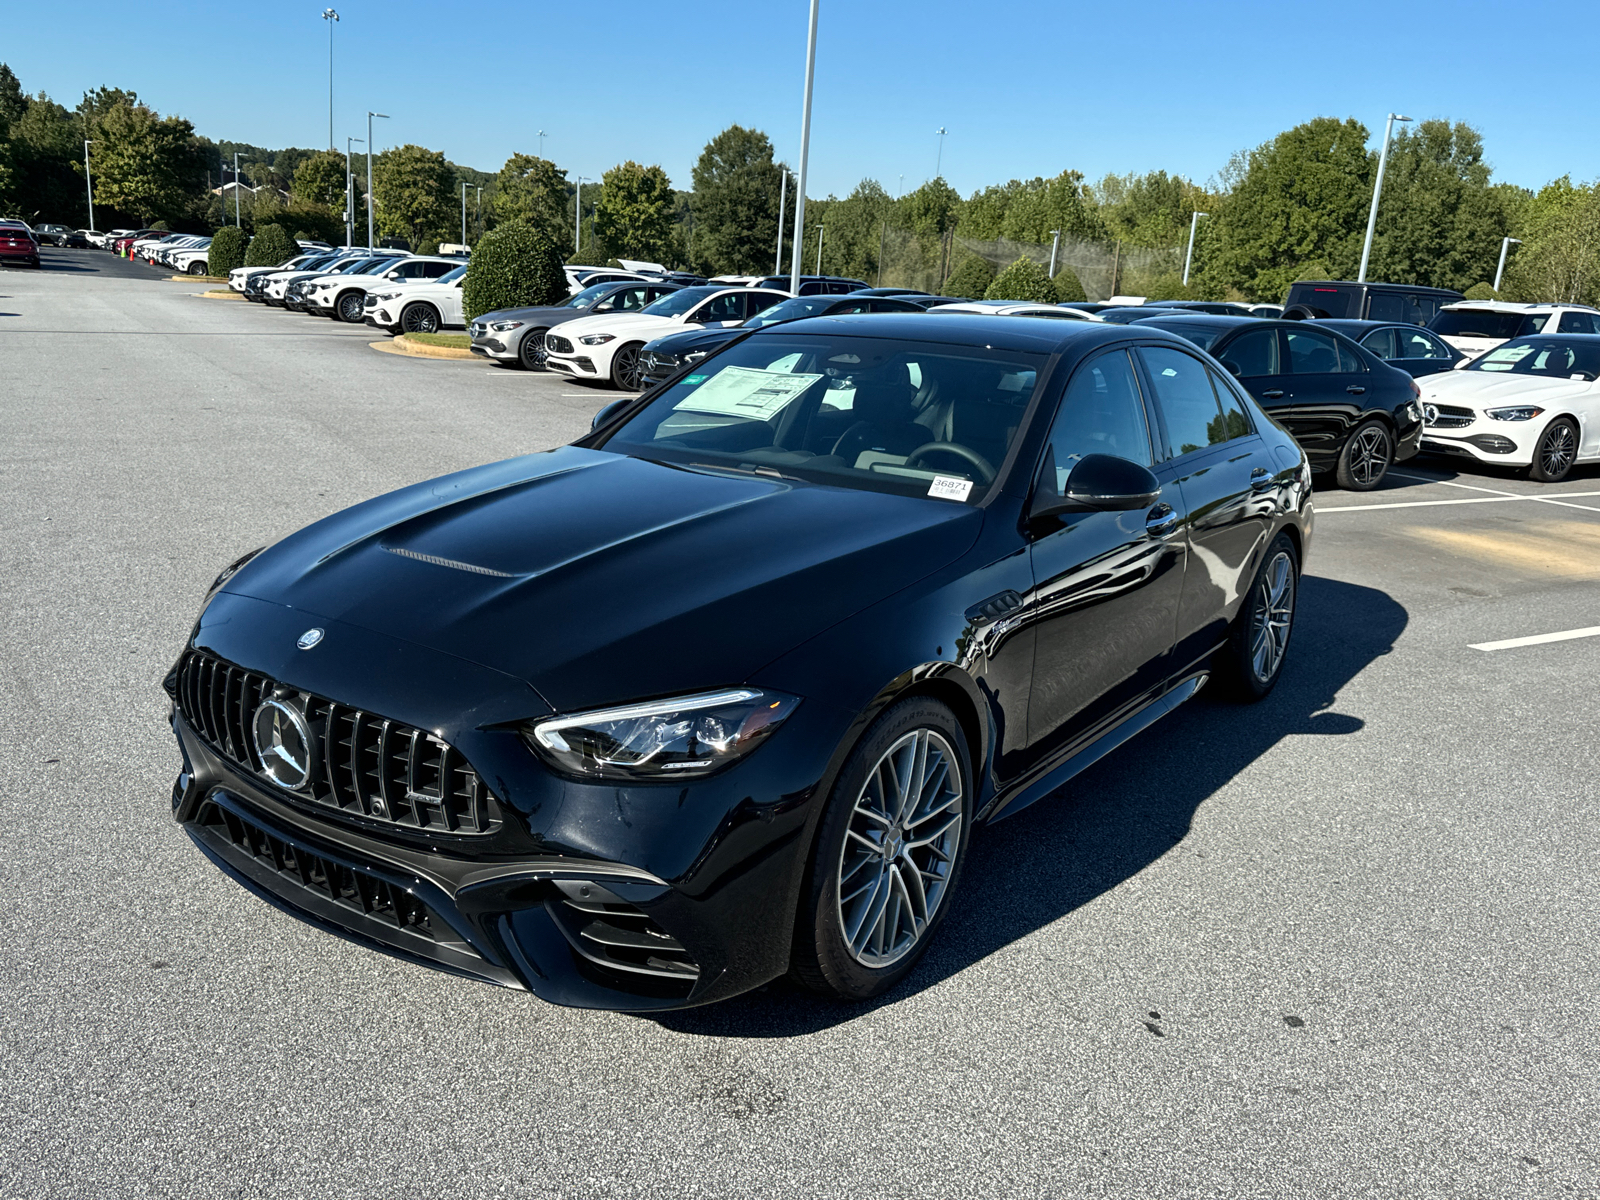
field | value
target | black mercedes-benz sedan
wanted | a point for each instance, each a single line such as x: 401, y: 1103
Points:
x: 1355, y: 414
x: 722, y: 690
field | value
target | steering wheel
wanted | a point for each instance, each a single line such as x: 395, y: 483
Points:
x: 976, y: 461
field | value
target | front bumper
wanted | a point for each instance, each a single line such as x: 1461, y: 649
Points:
x: 1485, y: 440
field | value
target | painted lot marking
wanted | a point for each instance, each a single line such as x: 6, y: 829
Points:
x: 1500, y: 499
x: 1537, y: 639
x: 1496, y: 491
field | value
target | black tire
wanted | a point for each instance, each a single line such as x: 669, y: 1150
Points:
x: 825, y: 959
x: 1366, y: 458
x: 419, y: 317
x: 1557, y: 451
x: 625, y: 370
x: 531, y: 354
x: 350, y: 306
x: 1238, y: 664
x: 197, y: 268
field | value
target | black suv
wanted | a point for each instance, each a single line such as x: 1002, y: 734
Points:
x: 1366, y: 301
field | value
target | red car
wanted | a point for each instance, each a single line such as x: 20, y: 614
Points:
x: 17, y: 245
x: 123, y: 244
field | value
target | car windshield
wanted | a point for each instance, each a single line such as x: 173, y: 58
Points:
x: 1486, y: 323
x: 371, y: 266
x: 792, y: 310
x: 678, y: 303
x: 587, y: 297
x: 1573, y: 359
x: 451, y: 276
x: 913, y: 418
x: 1204, y: 336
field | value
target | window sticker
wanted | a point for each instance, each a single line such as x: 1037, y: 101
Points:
x: 746, y: 392
x: 944, y: 487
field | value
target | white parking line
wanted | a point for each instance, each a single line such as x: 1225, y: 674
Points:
x: 1498, y: 499
x: 1497, y: 492
x: 1538, y: 639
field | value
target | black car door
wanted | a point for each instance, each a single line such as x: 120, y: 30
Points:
x: 1327, y: 393
x: 1225, y: 473
x: 1106, y: 584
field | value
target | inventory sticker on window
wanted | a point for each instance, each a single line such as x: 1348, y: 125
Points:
x: 944, y: 487
x: 746, y: 392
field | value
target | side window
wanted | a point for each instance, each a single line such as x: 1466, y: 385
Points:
x: 727, y: 307
x: 1254, y: 354
x: 435, y: 270
x: 1312, y: 353
x: 1350, y: 362
x: 1575, y: 322
x: 1101, y: 413
x: 757, y: 302
x: 1235, y: 421
x: 1194, y: 416
x: 1420, y: 345
x: 1381, y: 343
x: 1385, y: 306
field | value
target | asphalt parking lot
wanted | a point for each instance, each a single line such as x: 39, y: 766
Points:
x: 1337, y: 944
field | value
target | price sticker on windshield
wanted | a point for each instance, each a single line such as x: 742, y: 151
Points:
x: 945, y: 487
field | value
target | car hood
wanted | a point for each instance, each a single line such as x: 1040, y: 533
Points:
x: 625, y: 325
x: 544, y: 314
x: 695, y: 338
x: 1489, y: 388
x: 599, y: 578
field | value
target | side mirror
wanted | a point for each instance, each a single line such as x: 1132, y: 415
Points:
x: 606, y: 413
x: 1100, y: 483
x: 1232, y: 368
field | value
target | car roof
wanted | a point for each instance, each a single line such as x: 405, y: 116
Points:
x: 1395, y: 287
x: 963, y: 329
x: 1512, y: 306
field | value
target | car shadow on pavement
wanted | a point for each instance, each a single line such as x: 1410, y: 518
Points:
x: 1112, y: 821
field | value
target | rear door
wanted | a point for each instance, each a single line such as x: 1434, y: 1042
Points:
x: 1329, y: 385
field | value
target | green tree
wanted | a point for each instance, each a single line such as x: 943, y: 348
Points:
x: 735, y: 203
x: 971, y: 277
x: 1023, y: 280
x: 535, y: 191
x: 1152, y: 210
x: 227, y: 250
x: 633, y: 215
x: 1481, y: 291
x: 1559, y: 258
x: 514, y: 265
x: 145, y: 164
x: 856, y: 231
x: 1068, y: 286
x: 271, y: 246
x: 413, y: 192
x: 319, y: 179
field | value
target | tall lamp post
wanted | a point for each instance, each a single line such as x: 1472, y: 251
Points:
x: 1377, y: 190
x: 1505, y: 244
x: 1194, y: 220
x: 541, y: 143
x: 90, y: 186
x: 1055, y: 244
x: 479, y: 214
x: 577, y: 218
x: 805, y: 154
x: 938, y: 166
x: 332, y: 18
x: 370, y: 115
x: 783, y: 194
x: 464, y: 186
x: 821, y: 230
x: 236, y: 220
x: 349, y: 194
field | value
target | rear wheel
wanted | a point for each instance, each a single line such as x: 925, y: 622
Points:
x: 625, y: 370
x: 1366, y: 458
x: 1556, y: 452
x: 419, y: 318
x: 531, y: 352
x: 350, y: 306
x: 197, y: 268
x: 887, y: 855
x: 1249, y: 665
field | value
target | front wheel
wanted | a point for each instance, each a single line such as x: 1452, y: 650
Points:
x: 531, y: 352
x: 197, y: 268
x: 350, y: 307
x: 1366, y: 458
x: 887, y: 855
x: 1249, y: 665
x: 1556, y: 452
x: 419, y: 318
x: 625, y: 370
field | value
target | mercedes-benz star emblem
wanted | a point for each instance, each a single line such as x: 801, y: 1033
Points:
x: 283, y: 740
x: 1431, y: 413
x: 309, y: 639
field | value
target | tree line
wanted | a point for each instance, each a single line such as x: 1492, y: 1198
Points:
x: 1294, y: 207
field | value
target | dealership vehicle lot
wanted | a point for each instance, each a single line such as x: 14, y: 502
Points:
x: 1337, y: 943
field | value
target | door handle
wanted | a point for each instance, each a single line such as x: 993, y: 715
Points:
x: 1160, y: 521
x: 1275, y: 394
x: 1260, y: 479
x: 1355, y: 390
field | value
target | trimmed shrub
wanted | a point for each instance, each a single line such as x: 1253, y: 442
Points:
x: 513, y: 266
x: 270, y: 246
x: 226, y: 251
x: 1068, y: 286
x: 971, y: 277
x: 1481, y: 291
x: 1023, y: 281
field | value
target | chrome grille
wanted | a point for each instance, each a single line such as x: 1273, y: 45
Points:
x: 1447, y: 416
x: 557, y: 344
x: 366, y: 765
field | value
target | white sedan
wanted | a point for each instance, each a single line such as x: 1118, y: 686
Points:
x: 418, y: 307
x: 1532, y: 402
x: 607, y: 346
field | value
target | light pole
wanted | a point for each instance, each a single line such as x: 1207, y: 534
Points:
x: 1377, y: 190
x: 939, y: 163
x: 821, y: 230
x: 332, y: 18
x: 349, y: 194
x: 783, y: 195
x: 805, y: 154
x: 236, y: 221
x: 1505, y: 244
x: 577, y: 218
x: 463, y: 212
x: 541, y: 143
x: 370, y: 115
x: 90, y: 186
x: 479, y: 214
x: 1055, y: 244
x: 902, y: 190
x: 1194, y: 220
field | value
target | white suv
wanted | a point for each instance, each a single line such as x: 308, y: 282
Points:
x: 1475, y: 327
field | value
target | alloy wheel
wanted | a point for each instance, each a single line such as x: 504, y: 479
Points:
x: 625, y: 369
x: 1557, y: 450
x: 419, y: 318
x: 531, y: 350
x: 1271, y: 616
x: 900, y: 848
x: 1369, y: 455
x: 351, y: 306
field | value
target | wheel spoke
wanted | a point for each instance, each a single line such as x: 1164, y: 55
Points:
x: 870, y: 915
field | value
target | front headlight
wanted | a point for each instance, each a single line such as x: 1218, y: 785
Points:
x: 381, y: 297
x: 689, y: 736
x: 1521, y: 412
x: 505, y: 326
x: 598, y: 339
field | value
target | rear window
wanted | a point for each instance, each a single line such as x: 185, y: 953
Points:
x: 1331, y: 299
x: 1486, y: 323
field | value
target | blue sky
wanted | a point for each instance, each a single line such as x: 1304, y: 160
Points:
x: 1024, y: 88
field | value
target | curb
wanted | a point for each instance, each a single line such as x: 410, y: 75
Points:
x: 219, y: 295
x: 196, y: 279
x: 416, y: 350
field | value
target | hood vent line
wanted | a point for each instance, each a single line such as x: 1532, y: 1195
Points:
x: 449, y: 562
